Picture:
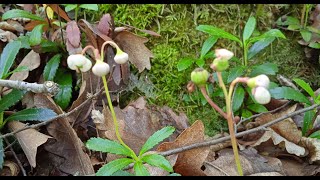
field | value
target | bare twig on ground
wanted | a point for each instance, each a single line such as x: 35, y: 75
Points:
x: 16, y: 157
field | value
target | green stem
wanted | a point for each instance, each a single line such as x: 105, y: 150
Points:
x: 230, y: 120
x: 76, y: 13
x: 115, y: 122
x: 245, y: 54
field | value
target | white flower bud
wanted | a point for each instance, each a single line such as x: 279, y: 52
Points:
x: 78, y: 61
x: 261, y: 95
x: 87, y: 66
x: 121, y: 57
x: 100, y: 68
x: 261, y: 80
x: 223, y: 54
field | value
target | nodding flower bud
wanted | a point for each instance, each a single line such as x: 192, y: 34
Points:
x: 79, y: 62
x: 261, y: 80
x: 100, y: 68
x: 121, y: 57
x: 261, y: 95
x: 199, y: 76
x: 220, y: 65
x: 223, y: 54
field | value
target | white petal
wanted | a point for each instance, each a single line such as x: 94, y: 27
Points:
x: 87, y: 66
x: 121, y: 58
x: 262, y: 80
x: 261, y: 95
x: 223, y: 54
x: 101, y: 69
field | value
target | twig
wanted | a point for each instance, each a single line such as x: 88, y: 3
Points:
x: 54, y: 118
x: 47, y: 87
x: 216, y: 141
x: 17, y: 159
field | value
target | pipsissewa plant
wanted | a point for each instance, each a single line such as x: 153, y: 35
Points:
x: 79, y: 63
x: 259, y: 85
x: 7, y: 58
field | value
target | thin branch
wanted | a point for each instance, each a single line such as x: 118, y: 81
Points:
x: 257, y: 129
x: 47, y: 87
x: 54, y: 118
x: 16, y: 157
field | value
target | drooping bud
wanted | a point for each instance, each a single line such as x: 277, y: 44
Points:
x: 199, y: 76
x: 100, y: 68
x: 261, y: 95
x: 79, y: 62
x: 261, y: 80
x: 121, y: 57
x: 223, y: 54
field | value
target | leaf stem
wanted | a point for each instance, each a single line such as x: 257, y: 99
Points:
x: 115, y: 122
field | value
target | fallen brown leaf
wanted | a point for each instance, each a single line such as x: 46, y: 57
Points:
x: 7, y: 36
x: 189, y: 162
x: 56, y: 8
x: 313, y: 145
x: 11, y: 25
x: 67, y: 145
x: 139, y: 54
x: 29, y: 140
x: 295, y: 168
x: 9, y: 169
x: 266, y: 174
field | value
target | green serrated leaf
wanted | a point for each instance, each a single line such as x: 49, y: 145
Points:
x: 315, y: 135
x: 249, y: 28
x: 17, y: 13
x: 266, y: 68
x: 64, y: 79
x: 105, y: 145
x: 245, y: 113
x: 314, y: 45
x: 184, y: 63
x: 217, y: 32
x: 259, y: 46
x: 235, y: 72
x: 158, y: 161
x: 1, y: 153
x: 51, y: 68
x: 207, y: 45
x: 70, y: 7
x: 48, y: 46
x: 305, y: 86
x: 24, y: 42
x: 32, y: 114
x: 276, y: 33
x: 90, y: 6
x: 238, y: 98
x: 157, y: 137
x: 8, y: 56
x: 288, y: 93
x: 307, y: 121
x: 36, y: 35
x: 306, y: 35
x: 114, y: 166
x: 289, y: 21
x: 122, y: 173
x: 258, y: 108
x: 140, y: 169
x: 11, y: 99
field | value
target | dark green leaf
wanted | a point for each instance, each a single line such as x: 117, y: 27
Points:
x: 114, y: 166
x: 24, y: 42
x: 288, y: 93
x: 90, y: 6
x: 245, y: 113
x: 209, y: 55
x: 8, y: 55
x: 237, y: 98
x: 36, y: 35
x: 266, y: 68
x: 268, y: 34
x: 249, y: 28
x: 51, y: 68
x: 122, y: 173
x: 1, y: 153
x: 289, y: 20
x: 315, y: 135
x: 70, y: 7
x: 105, y: 145
x: 140, y: 169
x: 235, y: 72
x: 305, y: 86
x: 273, y: 85
x: 11, y: 99
x: 307, y: 121
x: 158, y: 161
x: 306, y: 35
x: 64, y: 79
x: 293, y: 27
x: 184, y: 63
x: 207, y: 45
x: 217, y: 32
x: 259, y: 46
x: 32, y: 114
x: 48, y: 46
x: 258, y: 108
x: 314, y: 45
x: 157, y: 137
x: 17, y: 13
x: 200, y: 62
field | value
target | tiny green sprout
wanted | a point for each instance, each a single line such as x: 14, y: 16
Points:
x: 200, y: 76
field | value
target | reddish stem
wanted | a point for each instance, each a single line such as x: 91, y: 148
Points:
x: 216, y: 107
